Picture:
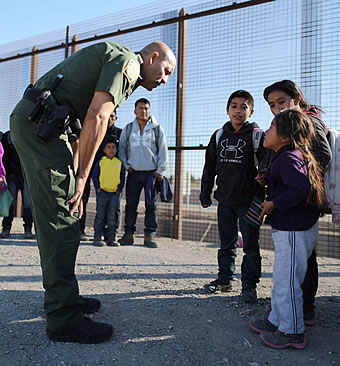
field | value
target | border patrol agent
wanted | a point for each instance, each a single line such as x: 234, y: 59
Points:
x: 91, y: 84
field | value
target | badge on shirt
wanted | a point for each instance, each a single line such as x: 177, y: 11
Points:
x: 131, y: 70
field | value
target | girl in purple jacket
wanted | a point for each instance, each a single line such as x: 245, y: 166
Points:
x: 296, y: 197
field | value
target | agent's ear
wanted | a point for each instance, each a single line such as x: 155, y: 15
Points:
x: 251, y: 113
x: 153, y: 57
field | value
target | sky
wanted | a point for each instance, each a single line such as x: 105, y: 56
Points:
x: 40, y: 16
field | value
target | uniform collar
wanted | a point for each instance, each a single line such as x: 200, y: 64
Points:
x: 141, y: 64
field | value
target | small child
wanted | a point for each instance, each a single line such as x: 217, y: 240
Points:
x: 295, y: 198
x: 231, y: 159
x: 108, y: 178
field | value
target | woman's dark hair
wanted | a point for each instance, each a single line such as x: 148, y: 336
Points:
x: 299, y: 129
x: 290, y: 88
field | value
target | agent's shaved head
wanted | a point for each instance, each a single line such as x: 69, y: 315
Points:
x: 159, y: 64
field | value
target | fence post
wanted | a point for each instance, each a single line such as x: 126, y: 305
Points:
x: 34, y: 65
x: 66, y: 41
x: 180, y: 113
x: 75, y: 46
x: 33, y: 79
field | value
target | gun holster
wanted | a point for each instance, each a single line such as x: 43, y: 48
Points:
x: 52, y: 118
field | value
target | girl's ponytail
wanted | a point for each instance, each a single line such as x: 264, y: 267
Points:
x: 299, y: 129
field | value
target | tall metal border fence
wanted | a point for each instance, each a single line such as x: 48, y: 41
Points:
x: 221, y: 46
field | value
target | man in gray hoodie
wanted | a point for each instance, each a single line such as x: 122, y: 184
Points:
x: 143, y: 150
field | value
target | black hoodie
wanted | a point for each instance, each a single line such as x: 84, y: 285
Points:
x: 232, y: 161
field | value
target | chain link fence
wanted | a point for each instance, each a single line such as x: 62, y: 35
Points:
x: 221, y: 46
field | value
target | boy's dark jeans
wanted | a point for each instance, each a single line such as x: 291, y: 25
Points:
x: 106, y: 214
x: 135, y: 182
x: 228, y: 216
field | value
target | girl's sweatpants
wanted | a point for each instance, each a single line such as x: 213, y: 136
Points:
x: 292, y: 250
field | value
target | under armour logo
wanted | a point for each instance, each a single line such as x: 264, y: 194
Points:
x: 232, y: 148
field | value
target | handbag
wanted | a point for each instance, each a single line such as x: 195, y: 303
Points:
x: 5, y: 203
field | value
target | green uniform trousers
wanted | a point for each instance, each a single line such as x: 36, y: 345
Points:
x: 49, y: 175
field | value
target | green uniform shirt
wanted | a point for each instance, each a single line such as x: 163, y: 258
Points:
x: 104, y: 66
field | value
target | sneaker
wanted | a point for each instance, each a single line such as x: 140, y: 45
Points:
x: 216, y: 287
x: 282, y: 340
x: 4, y: 234
x: 248, y: 295
x: 149, y: 241
x: 126, y: 239
x: 97, y: 242
x: 90, y: 305
x: 112, y: 243
x: 87, y: 331
x: 83, y: 236
x: 28, y: 234
x: 262, y: 325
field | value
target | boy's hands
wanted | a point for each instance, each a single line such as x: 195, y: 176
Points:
x: 267, y: 208
x: 206, y: 205
x: 260, y: 179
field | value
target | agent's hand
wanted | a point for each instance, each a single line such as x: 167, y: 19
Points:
x: 76, y: 199
x: 99, y: 190
x: 267, y: 208
x: 130, y: 170
x: 206, y: 205
x: 159, y: 177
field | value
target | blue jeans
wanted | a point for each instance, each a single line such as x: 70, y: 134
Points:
x: 106, y: 214
x: 228, y: 217
x: 136, y: 180
x: 16, y: 183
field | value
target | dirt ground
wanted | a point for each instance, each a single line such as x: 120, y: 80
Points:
x: 160, y: 313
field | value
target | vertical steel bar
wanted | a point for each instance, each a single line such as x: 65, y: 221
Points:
x: 75, y: 46
x: 66, y: 41
x: 34, y: 65
x: 180, y: 113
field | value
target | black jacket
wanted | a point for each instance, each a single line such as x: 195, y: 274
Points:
x: 232, y: 161
x: 320, y: 146
x: 112, y: 133
x: 10, y: 159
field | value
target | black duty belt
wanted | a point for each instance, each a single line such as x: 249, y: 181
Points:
x: 31, y: 93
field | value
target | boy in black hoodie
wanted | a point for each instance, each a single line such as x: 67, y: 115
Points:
x: 230, y: 157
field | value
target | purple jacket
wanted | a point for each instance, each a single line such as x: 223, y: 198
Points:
x: 288, y: 188
x: 2, y: 168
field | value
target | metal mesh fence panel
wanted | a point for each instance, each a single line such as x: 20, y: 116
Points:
x: 245, y: 47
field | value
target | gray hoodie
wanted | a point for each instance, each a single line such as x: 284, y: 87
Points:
x: 142, y: 151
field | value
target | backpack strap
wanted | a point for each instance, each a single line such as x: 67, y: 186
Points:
x: 128, y: 130
x: 257, y: 135
x: 218, y: 135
